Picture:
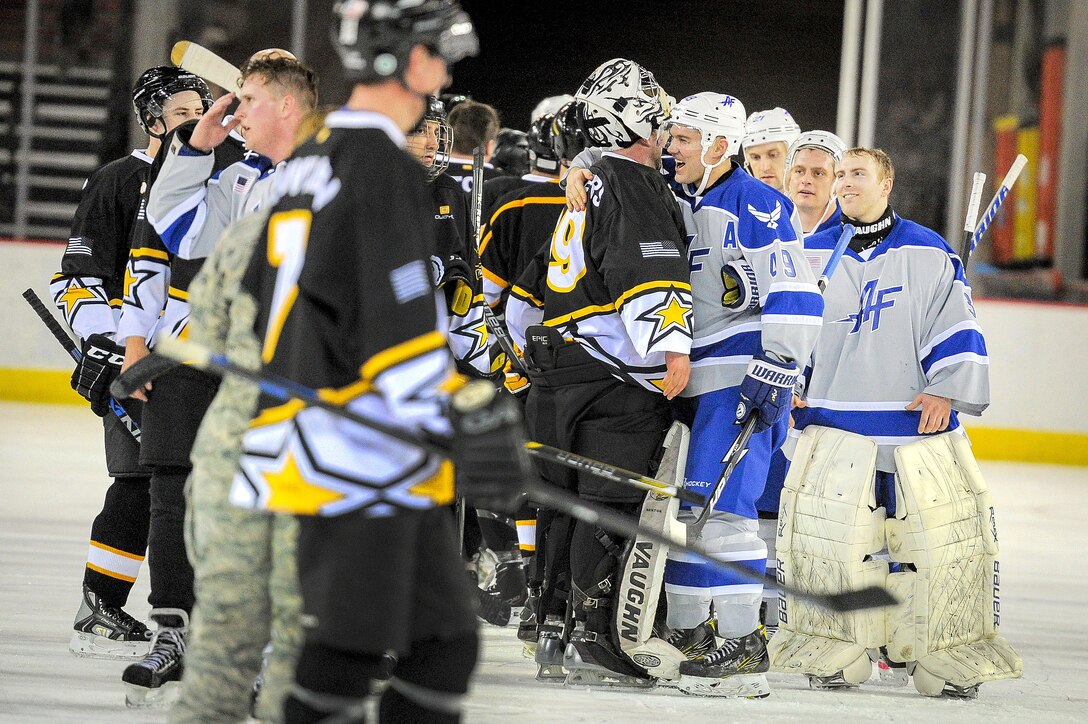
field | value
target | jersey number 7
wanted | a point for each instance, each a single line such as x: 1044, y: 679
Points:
x: 288, y: 233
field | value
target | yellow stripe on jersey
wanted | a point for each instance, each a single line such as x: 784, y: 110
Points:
x: 346, y: 394
x: 582, y: 313
x: 526, y: 296
x: 115, y: 303
x: 145, y: 253
x: 279, y: 413
x: 402, y: 352
x: 494, y: 278
x: 661, y: 286
x: 438, y: 487
x: 517, y: 204
x: 179, y: 294
x: 116, y: 551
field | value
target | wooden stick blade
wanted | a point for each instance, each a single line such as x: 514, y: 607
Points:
x: 198, y: 60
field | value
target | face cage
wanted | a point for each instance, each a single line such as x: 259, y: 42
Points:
x: 444, y: 136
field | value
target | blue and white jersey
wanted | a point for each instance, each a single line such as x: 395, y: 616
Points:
x: 741, y: 218
x: 898, y: 321
x: 831, y: 222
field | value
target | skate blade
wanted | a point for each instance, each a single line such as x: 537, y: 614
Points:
x: 528, y: 650
x: 140, y: 697
x: 739, y: 686
x: 551, y: 673
x: 951, y: 691
x: 89, y: 646
x: 830, y: 683
x: 596, y: 678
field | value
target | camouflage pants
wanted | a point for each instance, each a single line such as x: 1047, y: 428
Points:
x: 246, y: 583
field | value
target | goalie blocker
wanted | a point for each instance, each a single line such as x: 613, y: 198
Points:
x: 946, y: 627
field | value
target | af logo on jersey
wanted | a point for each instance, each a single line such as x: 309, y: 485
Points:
x: 873, y: 302
x: 771, y: 218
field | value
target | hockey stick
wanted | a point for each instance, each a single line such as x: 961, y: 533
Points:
x: 739, y: 448
x: 977, y: 182
x: 153, y: 365
x: 546, y: 495
x: 995, y: 205
x: 198, y: 60
x: 72, y: 349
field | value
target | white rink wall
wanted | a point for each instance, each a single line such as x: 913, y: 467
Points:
x: 1038, y: 353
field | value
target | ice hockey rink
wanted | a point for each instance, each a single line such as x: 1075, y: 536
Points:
x: 52, y: 479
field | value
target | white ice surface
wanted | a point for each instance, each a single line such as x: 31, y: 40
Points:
x: 52, y: 479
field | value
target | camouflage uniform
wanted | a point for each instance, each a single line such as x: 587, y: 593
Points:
x: 244, y: 561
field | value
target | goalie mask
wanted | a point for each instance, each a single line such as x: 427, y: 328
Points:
x: 621, y: 103
x: 540, y: 143
x: 769, y: 126
x: 432, y: 139
x: 825, y: 141
x: 374, y: 39
x: 567, y: 136
x: 713, y: 115
x: 155, y: 86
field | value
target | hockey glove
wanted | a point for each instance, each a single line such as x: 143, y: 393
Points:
x: 455, y: 276
x: 766, y: 391
x: 741, y: 290
x: 100, y: 365
x: 489, y: 455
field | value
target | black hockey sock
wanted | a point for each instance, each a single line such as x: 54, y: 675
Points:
x: 118, y: 540
x: 430, y: 683
x: 171, y: 573
x: 330, y: 681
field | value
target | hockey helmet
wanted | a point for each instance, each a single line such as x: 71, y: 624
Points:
x: 775, y: 124
x: 436, y: 113
x: 621, y: 103
x: 375, y: 37
x: 567, y: 136
x: 824, y: 140
x: 156, y: 85
x: 511, y: 154
x: 713, y: 115
x: 550, y: 105
x: 541, y: 143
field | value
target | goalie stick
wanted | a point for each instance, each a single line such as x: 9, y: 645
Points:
x: 198, y: 60
x: 546, y: 495
x: 153, y: 365
x: 739, y: 448
x: 72, y: 349
x: 995, y: 205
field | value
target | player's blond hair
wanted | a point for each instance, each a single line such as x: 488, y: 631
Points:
x: 883, y: 161
x: 291, y: 76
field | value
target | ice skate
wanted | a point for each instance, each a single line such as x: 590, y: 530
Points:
x: 848, y: 678
x: 585, y: 669
x: 490, y: 608
x: 930, y: 685
x: 153, y: 681
x: 694, y: 642
x: 737, y: 668
x: 103, y: 631
x: 548, y: 652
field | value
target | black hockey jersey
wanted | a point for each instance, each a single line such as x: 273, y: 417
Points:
x: 460, y: 170
x: 617, y: 275
x: 347, y: 306
x: 90, y: 284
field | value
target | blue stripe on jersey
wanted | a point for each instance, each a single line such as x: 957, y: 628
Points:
x: 187, y: 150
x: 809, y: 304
x: 966, y: 340
x: 704, y: 575
x: 873, y: 423
x: 744, y: 343
x: 174, y: 234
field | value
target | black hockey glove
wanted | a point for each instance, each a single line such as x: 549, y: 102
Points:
x: 100, y: 365
x: 454, y: 275
x: 489, y: 447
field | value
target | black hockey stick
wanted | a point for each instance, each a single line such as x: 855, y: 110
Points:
x: 72, y: 349
x: 739, y: 448
x: 153, y: 365
x: 546, y: 495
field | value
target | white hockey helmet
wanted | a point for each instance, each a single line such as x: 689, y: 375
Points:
x: 621, y: 103
x: 775, y: 124
x: 550, y: 105
x: 713, y: 114
x: 823, y: 140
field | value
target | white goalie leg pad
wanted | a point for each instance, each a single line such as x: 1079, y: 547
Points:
x: 644, y: 568
x: 828, y: 526
x: 949, y: 617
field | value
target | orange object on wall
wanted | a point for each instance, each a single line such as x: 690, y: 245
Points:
x: 1050, y: 136
x: 1001, y: 231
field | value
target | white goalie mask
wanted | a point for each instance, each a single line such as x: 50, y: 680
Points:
x: 775, y: 124
x: 713, y: 115
x: 621, y: 103
x: 823, y: 140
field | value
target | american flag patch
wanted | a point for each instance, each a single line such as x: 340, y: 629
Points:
x: 76, y: 245
x: 241, y: 183
x: 652, y: 249
x: 410, y: 281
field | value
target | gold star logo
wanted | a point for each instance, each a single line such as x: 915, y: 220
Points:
x: 72, y: 296
x: 673, y: 315
x: 670, y: 315
x: 290, y: 492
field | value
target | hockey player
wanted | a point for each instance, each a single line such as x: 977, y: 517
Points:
x: 767, y: 136
x: 811, y: 163
x: 899, y: 356
x: 608, y: 323
x: 346, y: 305
x: 88, y: 290
x: 474, y: 125
x: 187, y: 219
x: 511, y: 155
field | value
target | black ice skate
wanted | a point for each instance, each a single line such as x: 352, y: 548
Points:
x: 737, y: 668
x: 510, y: 582
x: 103, y: 631
x: 153, y: 681
x: 549, y: 650
x: 694, y: 642
x: 585, y: 661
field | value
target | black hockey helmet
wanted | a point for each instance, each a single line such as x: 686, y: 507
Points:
x: 511, y: 155
x: 540, y: 143
x: 568, y: 138
x: 156, y: 85
x: 374, y: 38
x: 436, y: 113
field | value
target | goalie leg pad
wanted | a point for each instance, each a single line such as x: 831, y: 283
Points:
x: 828, y: 526
x: 948, y: 620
